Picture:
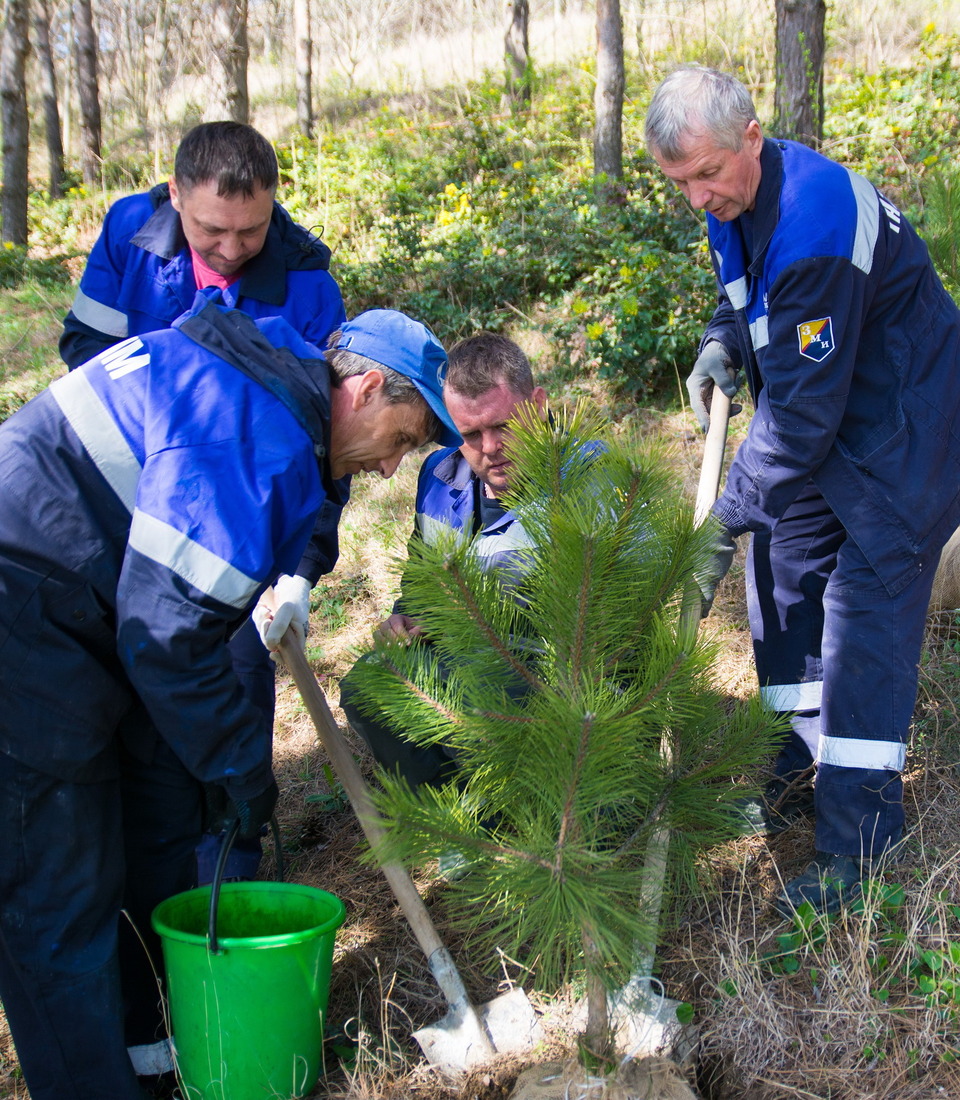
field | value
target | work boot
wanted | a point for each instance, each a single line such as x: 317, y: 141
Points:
x: 775, y: 810
x: 828, y: 883
x: 160, y: 1086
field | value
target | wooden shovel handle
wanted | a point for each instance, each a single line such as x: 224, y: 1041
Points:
x: 441, y: 964
x: 708, y: 488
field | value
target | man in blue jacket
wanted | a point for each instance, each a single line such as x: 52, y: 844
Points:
x: 849, y: 476
x: 215, y: 224
x: 488, y: 382
x: 147, y: 500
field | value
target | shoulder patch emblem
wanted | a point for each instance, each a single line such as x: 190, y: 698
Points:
x: 816, y: 338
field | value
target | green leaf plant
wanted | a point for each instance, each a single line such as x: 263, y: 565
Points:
x: 583, y: 714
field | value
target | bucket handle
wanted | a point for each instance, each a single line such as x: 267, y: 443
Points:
x: 228, y: 842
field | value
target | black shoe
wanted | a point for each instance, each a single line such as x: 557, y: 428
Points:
x: 828, y: 883
x: 775, y: 810
x: 160, y: 1086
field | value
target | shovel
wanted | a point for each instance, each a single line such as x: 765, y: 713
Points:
x: 468, y: 1034
x: 643, y: 1020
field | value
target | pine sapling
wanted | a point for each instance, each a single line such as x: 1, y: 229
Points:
x: 584, y: 718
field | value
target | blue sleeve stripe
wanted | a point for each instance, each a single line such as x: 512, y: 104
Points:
x: 99, y: 434
x: 868, y: 222
x: 98, y: 316
x: 197, y: 565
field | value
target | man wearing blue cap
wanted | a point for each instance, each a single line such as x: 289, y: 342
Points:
x: 149, y: 497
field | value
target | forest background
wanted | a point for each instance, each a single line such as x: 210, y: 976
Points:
x: 457, y: 187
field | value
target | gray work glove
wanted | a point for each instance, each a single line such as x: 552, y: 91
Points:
x: 713, y: 367
x: 291, y: 608
x: 716, y: 567
x: 253, y: 813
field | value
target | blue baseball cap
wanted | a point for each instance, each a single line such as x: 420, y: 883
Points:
x: 395, y: 340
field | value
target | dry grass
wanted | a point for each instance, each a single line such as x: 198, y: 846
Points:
x: 779, y: 1036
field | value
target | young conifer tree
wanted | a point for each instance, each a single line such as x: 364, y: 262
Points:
x: 580, y: 703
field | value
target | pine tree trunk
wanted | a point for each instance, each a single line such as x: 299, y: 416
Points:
x: 608, y: 99
x: 304, y: 66
x: 596, y: 1037
x: 227, y: 63
x: 798, y: 100
x: 517, y: 44
x: 13, y: 118
x: 48, y: 91
x: 89, y: 91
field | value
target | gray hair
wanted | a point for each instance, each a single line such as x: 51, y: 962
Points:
x: 694, y: 100
x: 398, y: 389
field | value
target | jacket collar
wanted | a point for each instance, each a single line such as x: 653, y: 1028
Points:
x: 767, y: 205
x: 287, y: 246
x: 302, y: 385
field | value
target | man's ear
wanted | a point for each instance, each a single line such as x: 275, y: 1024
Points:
x: 539, y: 398
x: 367, y: 386
x: 174, y: 194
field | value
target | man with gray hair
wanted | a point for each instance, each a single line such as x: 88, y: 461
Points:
x: 149, y: 498
x: 849, y: 476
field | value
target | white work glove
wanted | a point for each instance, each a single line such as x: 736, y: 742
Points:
x: 291, y: 597
x: 713, y: 367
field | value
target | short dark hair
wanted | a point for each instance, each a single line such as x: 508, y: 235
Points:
x: 480, y: 362
x: 236, y: 157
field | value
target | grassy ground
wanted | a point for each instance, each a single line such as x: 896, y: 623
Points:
x: 863, y: 1008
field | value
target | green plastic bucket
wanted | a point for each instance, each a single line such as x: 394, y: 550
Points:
x: 247, y: 1021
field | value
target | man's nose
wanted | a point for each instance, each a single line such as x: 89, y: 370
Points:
x: 389, y: 465
x: 699, y: 196
x: 231, y: 247
x: 490, y: 443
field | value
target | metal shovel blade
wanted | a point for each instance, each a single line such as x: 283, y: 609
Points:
x: 465, y: 1036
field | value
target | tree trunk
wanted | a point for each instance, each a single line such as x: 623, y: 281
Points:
x: 13, y: 118
x: 229, y: 52
x: 304, y: 66
x: 89, y: 91
x: 608, y: 100
x: 798, y: 101
x: 48, y: 91
x: 517, y: 44
x: 596, y: 1035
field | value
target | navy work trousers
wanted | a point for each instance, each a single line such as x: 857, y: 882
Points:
x: 839, y: 654
x: 74, y: 855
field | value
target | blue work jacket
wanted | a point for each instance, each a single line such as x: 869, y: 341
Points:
x: 139, y: 278
x: 448, y: 503
x: 147, y: 499
x: 851, y: 348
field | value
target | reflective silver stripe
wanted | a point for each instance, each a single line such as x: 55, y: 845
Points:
x: 737, y: 292
x: 784, y: 697
x: 99, y: 434
x: 868, y: 222
x: 200, y: 567
x: 514, y: 538
x: 758, y: 333
x: 95, y: 314
x: 854, y: 752
x: 433, y: 530
x: 151, y: 1059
